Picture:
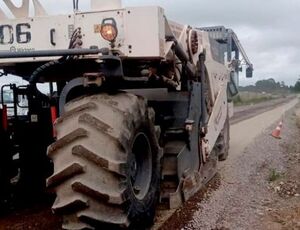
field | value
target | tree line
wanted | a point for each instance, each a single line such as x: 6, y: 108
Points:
x: 271, y: 86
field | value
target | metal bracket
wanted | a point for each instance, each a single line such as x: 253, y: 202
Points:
x: 23, y: 11
x: 66, y: 90
x: 96, y: 79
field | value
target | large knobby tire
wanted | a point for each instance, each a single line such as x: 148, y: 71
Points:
x: 223, y: 141
x: 106, y: 163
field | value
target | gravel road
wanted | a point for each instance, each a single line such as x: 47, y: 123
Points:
x: 245, y: 198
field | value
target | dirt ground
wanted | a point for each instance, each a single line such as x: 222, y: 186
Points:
x: 285, y: 182
x: 34, y: 216
x: 258, y: 189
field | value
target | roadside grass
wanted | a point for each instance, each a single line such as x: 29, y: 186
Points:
x: 296, y: 115
x: 248, y: 98
x: 274, y: 175
x: 298, y: 120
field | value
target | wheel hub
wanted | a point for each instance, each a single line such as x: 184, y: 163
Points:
x: 141, y: 166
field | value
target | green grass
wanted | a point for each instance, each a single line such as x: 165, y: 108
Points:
x: 248, y: 98
x: 298, y: 119
x: 274, y: 175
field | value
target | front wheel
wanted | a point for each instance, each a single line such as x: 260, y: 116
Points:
x: 106, y: 163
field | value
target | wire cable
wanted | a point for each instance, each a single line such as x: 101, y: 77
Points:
x: 77, y: 5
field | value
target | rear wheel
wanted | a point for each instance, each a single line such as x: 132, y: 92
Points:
x: 106, y: 163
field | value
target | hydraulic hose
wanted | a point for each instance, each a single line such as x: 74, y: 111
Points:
x: 34, y: 78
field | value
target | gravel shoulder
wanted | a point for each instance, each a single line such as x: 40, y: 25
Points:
x: 250, y: 195
x: 246, y: 194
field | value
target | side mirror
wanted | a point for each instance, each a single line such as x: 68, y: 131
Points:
x: 249, y: 72
x: 232, y: 87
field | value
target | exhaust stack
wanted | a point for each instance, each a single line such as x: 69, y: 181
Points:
x: 103, y: 5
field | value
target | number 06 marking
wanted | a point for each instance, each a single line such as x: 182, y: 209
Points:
x: 22, y: 36
x: 6, y: 34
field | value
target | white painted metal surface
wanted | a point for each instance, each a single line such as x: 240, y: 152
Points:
x: 102, y: 5
x: 134, y: 38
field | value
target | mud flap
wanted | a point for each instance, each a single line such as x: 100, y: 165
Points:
x: 176, y: 199
x: 198, y: 180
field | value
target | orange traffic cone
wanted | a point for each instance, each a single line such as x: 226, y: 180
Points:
x: 277, y: 131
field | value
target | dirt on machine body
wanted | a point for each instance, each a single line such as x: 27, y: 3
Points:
x: 137, y: 112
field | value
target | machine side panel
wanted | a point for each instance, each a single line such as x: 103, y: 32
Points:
x: 145, y: 32
x: 141, y: 33
x: 33, y: 34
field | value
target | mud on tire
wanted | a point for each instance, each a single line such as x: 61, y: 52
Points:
x: 103, y: 142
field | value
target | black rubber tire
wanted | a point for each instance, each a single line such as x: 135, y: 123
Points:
x: 223, y: 141
x: 92, y: 158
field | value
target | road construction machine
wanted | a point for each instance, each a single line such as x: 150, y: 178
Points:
x: 136, y: 115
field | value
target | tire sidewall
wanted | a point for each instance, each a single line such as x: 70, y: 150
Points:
x: 142, y: 212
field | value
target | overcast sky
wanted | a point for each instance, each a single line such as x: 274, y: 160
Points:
x: 269, y: 30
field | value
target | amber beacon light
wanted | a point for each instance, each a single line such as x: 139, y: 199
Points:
x: 109, y: 29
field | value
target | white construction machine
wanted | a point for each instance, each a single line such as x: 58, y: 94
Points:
x: 137, y: 112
